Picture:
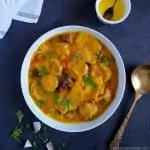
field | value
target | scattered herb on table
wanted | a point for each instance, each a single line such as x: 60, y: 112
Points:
x: 28, y: 126
x: 39, y: 137
x: 77, y: 55
x: 16, y: 133
x: 62, y: 146
x: 34, y: 144
x: 88, y: 81
x: 45, y: 141
x: 44, y: 127
x: 20, y: 115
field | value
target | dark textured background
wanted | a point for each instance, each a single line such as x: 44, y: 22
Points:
x: 132, y: 38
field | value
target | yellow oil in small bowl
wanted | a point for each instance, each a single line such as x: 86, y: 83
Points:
x: 119, y: 8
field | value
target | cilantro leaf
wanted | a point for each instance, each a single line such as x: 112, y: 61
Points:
x: 45, y: 141
x: 43, y: 70
x: 59, y: 100
x: 77, y: 55
x: 63, y: 144
x: 99, y: 55
x: 48, y: 55
x: 44, y: 127
x: 28, y: 126
x: 16, y: 133
x: 65, y: 103
x: 34, y: 144
x: 105, y: 61
x: 20, y: 115
x: 88, y: 81
x: 40, y: 103
x: 56, y: 98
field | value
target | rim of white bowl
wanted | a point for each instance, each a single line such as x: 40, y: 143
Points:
x: 72, y: 127
x: 126, y: 14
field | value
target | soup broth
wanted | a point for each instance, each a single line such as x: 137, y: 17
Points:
x: 73, y: 77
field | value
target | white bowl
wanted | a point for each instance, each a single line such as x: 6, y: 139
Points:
x: 127, y: 4
x: 72, y: 127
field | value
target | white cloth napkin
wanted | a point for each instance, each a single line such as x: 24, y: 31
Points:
x: 22, y: 10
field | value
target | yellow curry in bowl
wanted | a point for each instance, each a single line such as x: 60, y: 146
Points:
x: 73, y: 77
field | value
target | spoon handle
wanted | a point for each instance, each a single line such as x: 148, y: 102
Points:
x: 114, y: 145
x: 114, y: 3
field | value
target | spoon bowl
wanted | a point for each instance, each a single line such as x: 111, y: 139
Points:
x: 109, y: 13
x: 141, y: 79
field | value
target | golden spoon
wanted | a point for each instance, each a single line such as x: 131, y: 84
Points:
x: 109, y: 13
x: 141, y: 82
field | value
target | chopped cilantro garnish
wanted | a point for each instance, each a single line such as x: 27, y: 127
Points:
x: 103, y: 60
x: 63, y: 144
x: 56, y: 98
x: 59, y: 100
x: 88, y: 81
x: 44, y: 127
x: 36, y: 138
x: 20, y: 115
x: 42, y: 70
x: 106, y: 60
x: 34, y: 144
x: 77, y: 55
x: 99, y: 55
x: 45, y: 141
x: 16, y: 133
x: 111, y: 58
x: 40, y: 103
x: 104, y: 63
x: 48, y: 55
x: 65, y: 103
